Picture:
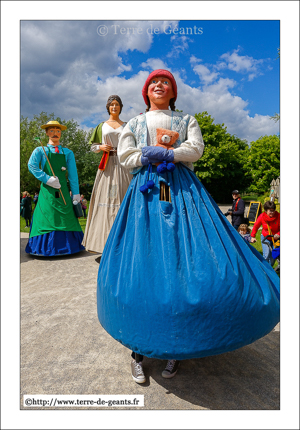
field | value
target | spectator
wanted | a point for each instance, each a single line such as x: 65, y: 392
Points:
x: 35, y: 199
x: 83, y: 202
x: 238, y: 209
x: 270, y: 221
x: 26, y: 208
x: 245, y: 231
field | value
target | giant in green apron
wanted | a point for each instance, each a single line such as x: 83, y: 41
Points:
x: 51, y: 213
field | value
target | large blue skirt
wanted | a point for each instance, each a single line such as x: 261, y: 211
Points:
x: 176, y: 280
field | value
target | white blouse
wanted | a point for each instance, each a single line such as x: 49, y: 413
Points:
x: 189, y: 151
x: 110, y: 136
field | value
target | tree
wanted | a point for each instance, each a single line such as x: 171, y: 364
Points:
x: 276, y: 117
x: 221, y: 168
x: 263, y: 163
x: 28, y: 131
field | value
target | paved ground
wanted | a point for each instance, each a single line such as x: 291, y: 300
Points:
x: 64, y: 350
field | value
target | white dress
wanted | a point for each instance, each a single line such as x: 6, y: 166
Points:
x: 109, y: 189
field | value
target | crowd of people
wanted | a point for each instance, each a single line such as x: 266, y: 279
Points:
x: 187, y: 284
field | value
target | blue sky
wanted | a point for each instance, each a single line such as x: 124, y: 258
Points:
x: 228, y: 68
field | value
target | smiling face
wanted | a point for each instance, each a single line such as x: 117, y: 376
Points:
x: 160, y: 92
x: 114, y: 108
x: 54, y: 134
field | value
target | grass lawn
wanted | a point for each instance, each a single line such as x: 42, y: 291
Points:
x: 82, y: 222
x: 258, y: 247
x: 250, y: 197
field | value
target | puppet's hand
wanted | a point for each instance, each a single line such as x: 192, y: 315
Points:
x: 155, y: 154
x: 104, y: 147
x: 76, y: 197
x: 144, y: 160
x: 53, y: 182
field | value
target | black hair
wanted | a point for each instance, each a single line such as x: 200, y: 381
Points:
x: 269, y: 205
x: 111, y: 99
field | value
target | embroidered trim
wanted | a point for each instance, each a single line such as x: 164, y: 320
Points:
x: 108, y: 205
x: 138, y: 126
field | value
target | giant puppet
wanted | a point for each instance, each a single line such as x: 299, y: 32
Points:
x: 176, y: 280
x: 111, y: 181
x: 55, y: 230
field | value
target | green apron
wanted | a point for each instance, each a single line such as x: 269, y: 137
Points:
x: 51, y: 214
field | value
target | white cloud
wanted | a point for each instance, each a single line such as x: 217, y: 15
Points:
x: 205, y: 75
x: 179, y: 45
x: 225, y: 108
x: 61, y: 61
x: 153, y: 64
x: 68, y: 69
x: 241, y: 64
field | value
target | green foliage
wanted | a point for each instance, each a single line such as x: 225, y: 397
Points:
x: 276, y: 117
x: 221, y: 168
x: 263, y: 163
x: 227, y: 162
x: 28, y: 131
x: 74, y: 138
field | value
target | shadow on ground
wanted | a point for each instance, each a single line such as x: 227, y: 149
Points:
x: 245, y: 379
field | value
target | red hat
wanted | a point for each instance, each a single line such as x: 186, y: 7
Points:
x: 155, y: 73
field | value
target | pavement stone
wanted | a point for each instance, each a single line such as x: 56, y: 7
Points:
x: 65, y: 350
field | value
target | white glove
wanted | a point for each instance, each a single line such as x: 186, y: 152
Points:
x: 76, y: 197
x: 53, y: 182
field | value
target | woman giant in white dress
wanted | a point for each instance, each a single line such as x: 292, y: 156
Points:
x: 111, y: 181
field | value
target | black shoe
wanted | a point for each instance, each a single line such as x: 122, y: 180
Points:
x: 98, y: 259
x: 171, y: 369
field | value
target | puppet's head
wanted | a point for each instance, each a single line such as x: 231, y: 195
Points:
x: 53, y: 130
x: 167, y: 86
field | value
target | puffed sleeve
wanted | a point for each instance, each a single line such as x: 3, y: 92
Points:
x: 95, y: 147
x: 256, y: 225
x: 37, y: 157
x: 129, y: 155
x: 192, y: 148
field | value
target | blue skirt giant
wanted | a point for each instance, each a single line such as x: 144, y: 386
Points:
x: 176, y: 280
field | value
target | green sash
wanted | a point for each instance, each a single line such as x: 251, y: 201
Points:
x: 51, y: 214
x: 96, y: 137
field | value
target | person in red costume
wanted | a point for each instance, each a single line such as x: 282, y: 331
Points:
x: 270, y: 221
